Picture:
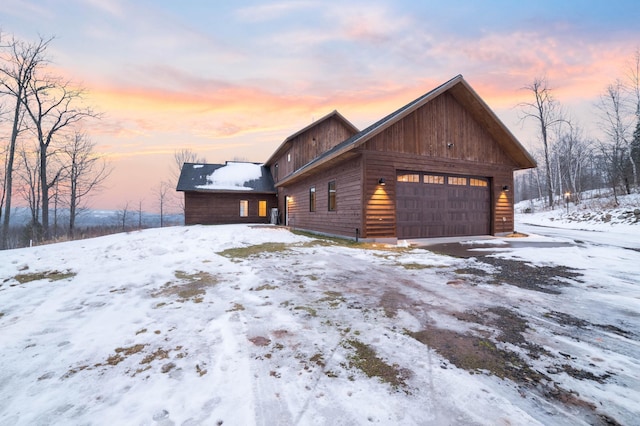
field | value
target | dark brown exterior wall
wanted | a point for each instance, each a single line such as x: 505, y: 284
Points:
x: 420, y: 142
x: 348, y: 214
x: 309, y: 145
x: 221, y: 208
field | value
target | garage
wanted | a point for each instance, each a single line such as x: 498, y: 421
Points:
x: 437, y: 205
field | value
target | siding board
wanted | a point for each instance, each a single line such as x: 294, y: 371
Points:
x: 222, y: 208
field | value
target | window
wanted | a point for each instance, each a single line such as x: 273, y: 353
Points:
x: 437, y: 180
x: 457, y: 180
x: 288, y: 156
x: 409, y: 177
x: 262, y: 208
x: 312, y: 199
x: 478, y: 182
x: 332, y: 196
x: 244, y: 208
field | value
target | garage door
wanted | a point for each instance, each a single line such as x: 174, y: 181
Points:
x: 433, y: 205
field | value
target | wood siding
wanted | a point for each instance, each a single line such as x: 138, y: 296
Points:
x: 308, y: 145
x: 441, y: 129
x: 348, y: 214
x: 440, y: 137
x: 222, y: 208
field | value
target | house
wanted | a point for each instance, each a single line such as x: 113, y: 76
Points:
x: 442, y: 165
x: 234, y: 192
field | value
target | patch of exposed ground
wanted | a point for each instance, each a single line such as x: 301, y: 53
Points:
x: 392, y: 301
x: 566, y: 319
x: 188, y: 286
x: 477, y: 354
x: 481, y: 354
x: 546, y: 279
x: 365, y: 359
x: 44, y: 275
x: 254, y: 250
x: 509, y: 325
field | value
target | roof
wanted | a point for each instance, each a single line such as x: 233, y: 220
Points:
x: 233, y: 176
x: 285, y: 144
x: 464, y: 94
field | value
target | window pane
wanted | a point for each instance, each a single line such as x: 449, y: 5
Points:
x: 332, y: 195
x: 244, y: 208
x: 409, y: 177
x: 457, y: 180
x: 478, y: 182
x: 437, y: 180
x: 262, y: 208
x: 312, y: 199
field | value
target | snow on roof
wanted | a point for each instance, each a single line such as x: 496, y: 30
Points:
x: 233, y: 176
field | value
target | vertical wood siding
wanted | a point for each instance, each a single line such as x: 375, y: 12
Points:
x: 439, y: 137
x: 309, y: 145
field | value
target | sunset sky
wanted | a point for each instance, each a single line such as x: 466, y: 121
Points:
x: 232, y: 79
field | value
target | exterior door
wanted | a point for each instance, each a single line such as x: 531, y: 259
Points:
x: 437, y: 205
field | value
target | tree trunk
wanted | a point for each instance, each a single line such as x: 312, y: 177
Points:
x: 72, y: 201
x: 9, y: 170
x: 44, y: 187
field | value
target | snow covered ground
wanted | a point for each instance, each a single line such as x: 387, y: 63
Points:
x: 245, y: 325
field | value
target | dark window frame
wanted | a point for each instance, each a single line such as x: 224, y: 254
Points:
x: 332, y: 196
x: 312, y: 199
x: 246, y: 210
x: 262, y: 203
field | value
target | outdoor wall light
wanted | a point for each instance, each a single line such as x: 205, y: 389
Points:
x: 382, y: 182
x: 450, y: 145
x: 505, y: 188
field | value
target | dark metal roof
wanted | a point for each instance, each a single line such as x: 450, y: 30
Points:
x: 193, y: 177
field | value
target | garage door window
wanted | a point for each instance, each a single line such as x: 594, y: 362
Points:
x: 433, y: 179
x: 409, y: 177
x: 478, y: 182
x: 454, y: 180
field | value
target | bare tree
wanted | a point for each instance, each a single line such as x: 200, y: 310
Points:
x: 180, y: 157
x: 84, y: 173
x: 615, y: 122
x: 162, y: 194
x: 121, y: 216
x: 634, y: 87
x: 19, y: 61
x: 571, y: 153
x: 140, y: 213
x: 29, y: 187
x: 53, y: 107
x: 546, y: 112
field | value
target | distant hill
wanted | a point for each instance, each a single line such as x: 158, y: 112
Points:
x: 21, y: 216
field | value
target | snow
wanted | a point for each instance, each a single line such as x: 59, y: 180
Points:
x: 233, y: 176
x: 163, y: 327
